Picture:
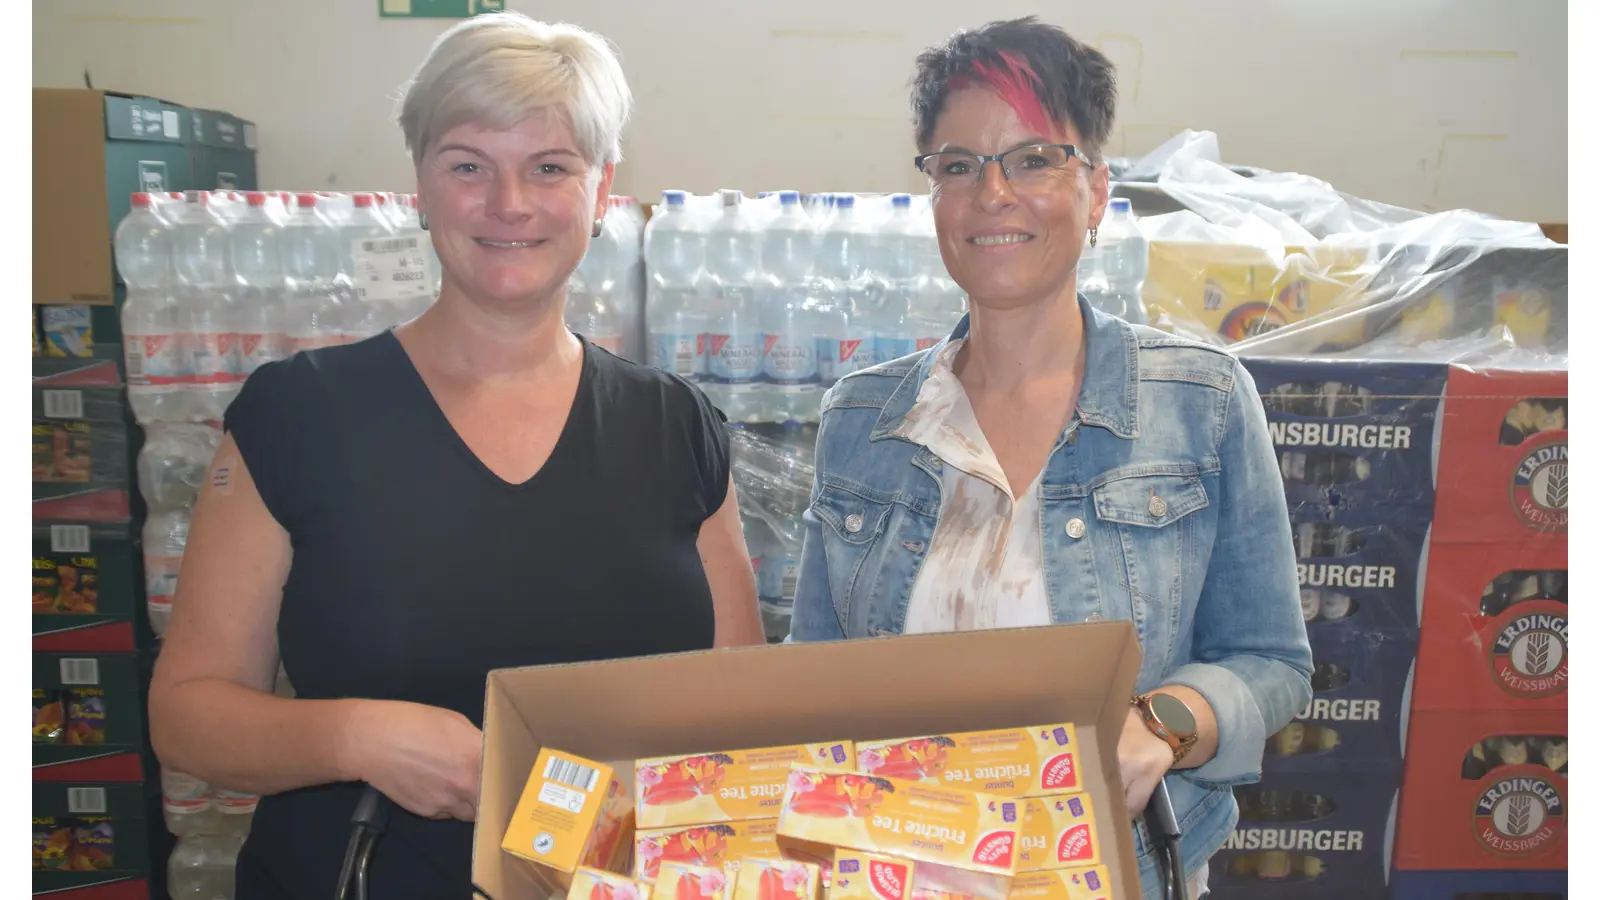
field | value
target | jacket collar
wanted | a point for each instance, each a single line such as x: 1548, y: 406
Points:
x: 1109, y: 397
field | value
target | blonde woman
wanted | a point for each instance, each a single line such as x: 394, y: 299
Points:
x: 478, y: 488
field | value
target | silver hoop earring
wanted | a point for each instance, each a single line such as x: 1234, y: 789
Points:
x: 1094, y: 235
x: 422, y: 221
x: 599, y: 225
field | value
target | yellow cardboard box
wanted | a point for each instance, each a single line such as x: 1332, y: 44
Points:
x: 1058, y: 833
x: 859, y: 875
x: 776, y: 879
x: 687, y: 881
x: 712, y: 846
x: 572, y: 813
x: 1093, y: 883
x: 731, y: 786
x: 594, y: 884
x: 1007, y: 762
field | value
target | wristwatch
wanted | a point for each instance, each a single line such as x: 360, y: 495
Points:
x: 1170, y: 720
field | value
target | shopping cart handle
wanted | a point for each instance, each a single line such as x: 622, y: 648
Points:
x: 1161, y: 822
x: 367, y: 824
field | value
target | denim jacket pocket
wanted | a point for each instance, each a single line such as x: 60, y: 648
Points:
x: 852, y: 526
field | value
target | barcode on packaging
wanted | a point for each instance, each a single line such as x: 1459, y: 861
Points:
x: 80, y: 671
x: 390, y: 245
x: 86, y: 801
x: 69, y: 539
x: 63, y: 404
x: 572, y: 774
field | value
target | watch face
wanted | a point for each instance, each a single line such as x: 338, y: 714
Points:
x: 1173, y: 714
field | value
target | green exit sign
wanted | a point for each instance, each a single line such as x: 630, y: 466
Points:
x: 437, y: 9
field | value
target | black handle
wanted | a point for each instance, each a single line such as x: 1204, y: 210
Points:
x: 1161, y: 821
x: 367, y: 824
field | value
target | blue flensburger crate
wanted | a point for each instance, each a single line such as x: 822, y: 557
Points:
x: 1353, y: 434
x: 1359, y: 568
x: 1310, y: 835
x: 1357, y: 703
x: 1524, y: 884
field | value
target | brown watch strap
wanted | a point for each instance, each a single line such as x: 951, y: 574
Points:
x: 1181, y: 744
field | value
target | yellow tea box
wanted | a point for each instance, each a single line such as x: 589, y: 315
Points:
x: 725, y: 787
x: 776, y: 879
x: 595, y: 884
x: 927, y: 823
x: 562, y: 817
x: 686, y: 881
x: 859, y: 875
x: 1008, y: 762
x: 1058, y: 833
x: 712, y: 846
x: 1092, y: 883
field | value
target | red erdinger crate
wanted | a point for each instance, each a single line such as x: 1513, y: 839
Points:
x: 1503, y: 457
x: 1484, y: 791
x: 1494, y: 628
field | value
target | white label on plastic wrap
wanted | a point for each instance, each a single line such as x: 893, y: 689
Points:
x: 161, y: 582
x: 211, y: 357
x: 169, y: 124
x: 249, y: 136
x: 86, y: 801
x: 69, y: 539
x: 681, y: 354
x: 154, y: 361
x: 734, y: 360
x: 80, y: 671
x: 391, y: 268
x: 63, y: 404
x: 256, y: 350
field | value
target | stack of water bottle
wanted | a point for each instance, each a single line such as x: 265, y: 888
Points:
x: 605, y: 297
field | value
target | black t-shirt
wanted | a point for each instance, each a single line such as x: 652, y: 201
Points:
x: 417, y: 570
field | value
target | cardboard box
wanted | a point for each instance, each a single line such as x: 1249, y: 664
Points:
x: 223, y: 150
x: 634, y: 708
x: 91, y: 837
x: 974, y: 832
x: 1494, y: 627
x: 595, y: 884
x: 1503, y: 458
x: 1361, y: 432
x: 1464, y: 885
x: 1358, y: 682
x: 858, y: 875
x: 686, y: 881
x: 1359, y: 568
x: 1310, y: 830
x: 88, y: 721
x: 711, y: 846
x: 569, y: 816
x: 1484, y: 790
x: 1058, y: 833
x: 86, y: 588
x: 1091, y: 883
x: 91, y: 150
x: 1007, y: 762
x: 729, y: 786
x: 776, y: 879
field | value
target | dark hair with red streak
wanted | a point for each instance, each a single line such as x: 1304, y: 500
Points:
x: 1046, y: 75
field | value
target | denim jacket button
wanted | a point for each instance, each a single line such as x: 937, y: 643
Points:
x: 1092, y: 617
x: 1076, y: 529
x: 1158, y: 506
x: 852, y: 523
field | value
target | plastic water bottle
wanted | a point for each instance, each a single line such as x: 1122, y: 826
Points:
x: 592, y: 293
x: 157, y: 366
x: 318, y: 296
x: 409, y: 226
x: 676, y: 311
x: 361, y: 234
x: 165, y: 534
x: 941, y: 303
x: 186, y: 804
x: 896, y: 330
x: 1124, y: 258
x: 261, y: 286
x: 788, y: 320
x: 628, y: 221
x: 734, y: 343
x: 207, y: 311
x: 839, y: 292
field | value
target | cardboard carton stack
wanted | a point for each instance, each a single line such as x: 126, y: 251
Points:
x: 97, y: 800
x: 1484, y: 799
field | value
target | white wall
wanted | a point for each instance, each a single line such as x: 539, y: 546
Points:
x: 1431, y: 104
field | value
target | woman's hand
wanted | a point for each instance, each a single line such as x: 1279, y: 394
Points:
x: 1145, y: 760
x: 424, y: 758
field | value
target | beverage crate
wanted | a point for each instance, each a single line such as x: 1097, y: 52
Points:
x: 86, y: 588
x: 88, y: 717
x: 1353, y: 433
x: 1310, y: 834
x: 91, y: 841
x: 80, y: 453
x: 1481, y: 885
x: 1503, y: 457
x: 1494, y: 627
x: 1357, y: 704
x: 1358, y: 568
x: 1484, y: 790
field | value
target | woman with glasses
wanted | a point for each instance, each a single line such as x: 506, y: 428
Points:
x: 1049, y: 463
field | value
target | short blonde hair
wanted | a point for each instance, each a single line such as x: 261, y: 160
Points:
x: 499, y: 68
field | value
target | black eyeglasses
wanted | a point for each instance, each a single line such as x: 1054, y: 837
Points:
x: 1023, y: 166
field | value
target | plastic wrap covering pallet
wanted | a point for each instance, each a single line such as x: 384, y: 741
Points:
x: 1523, y: 885
x: 1484, y: 790
x: 91, y: 842
x: 1359, y: 569
x: 1310, y: 835
x: 85, y: 588
x: 1353, y: 434
x: 1358, y: 683
x: 772, y: 472
x: 88, y: 717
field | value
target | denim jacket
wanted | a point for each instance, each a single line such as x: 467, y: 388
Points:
x: 1206, y: 575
